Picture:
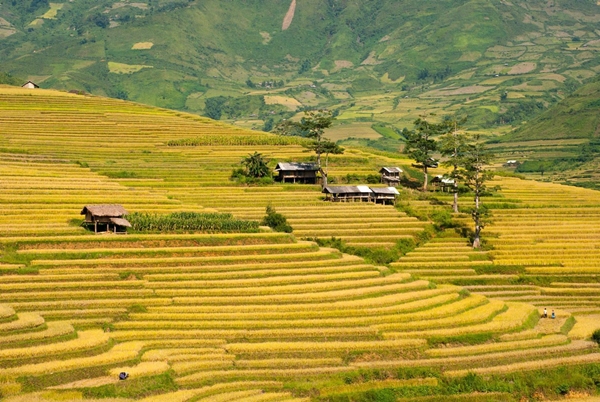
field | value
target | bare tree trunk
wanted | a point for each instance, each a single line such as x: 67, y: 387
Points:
x: 425, y: 180
x: 455, y: 203
x: 476, y: 239
x: 325, y: 172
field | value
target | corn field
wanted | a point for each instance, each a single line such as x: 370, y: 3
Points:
x: 190, y: 222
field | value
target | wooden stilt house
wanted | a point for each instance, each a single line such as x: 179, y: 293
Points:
x: 297, y: 172
x: 347, y: 193
x: 382, y: 195
x: 108, y: 217
x: 385, y: 195
x: 391, y: 176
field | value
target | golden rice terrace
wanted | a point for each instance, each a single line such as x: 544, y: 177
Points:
x: 253, y: 317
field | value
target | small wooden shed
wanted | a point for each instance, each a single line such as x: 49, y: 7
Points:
x: 30, y: 85
x: 347, y: 193
x: 106, y: 215
x: 297, y: 172
x: 391, y: 175
x: 385, y: 195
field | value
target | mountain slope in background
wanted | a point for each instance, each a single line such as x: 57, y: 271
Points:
x: 574, y: 117
x: 381, y: 63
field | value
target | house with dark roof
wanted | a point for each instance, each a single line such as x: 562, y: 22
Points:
x: 391, y: 175
x: 297, y: 172
x: 105, y: 216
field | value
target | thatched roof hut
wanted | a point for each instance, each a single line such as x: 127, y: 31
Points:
x: 107, y: 215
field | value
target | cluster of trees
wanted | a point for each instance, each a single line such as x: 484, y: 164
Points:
x: 304, y: 66
x: 232, y: 108
x: 8, y: 79
x: 100, y: 19
x: 30, y: 6
x: 518, y: 112
x: 440, y: 75
x: 466, y: 155
x: 255, y: 170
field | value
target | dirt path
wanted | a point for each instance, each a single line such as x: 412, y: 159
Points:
x: 287, y: 21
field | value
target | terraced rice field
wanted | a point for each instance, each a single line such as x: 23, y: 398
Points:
x: 223, y: 317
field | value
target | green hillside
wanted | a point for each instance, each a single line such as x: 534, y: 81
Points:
x: 377, y: 61
x: 574, y: 117
x: 562, y: 144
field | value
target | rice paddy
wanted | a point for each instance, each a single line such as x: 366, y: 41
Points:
x: 250, y: 316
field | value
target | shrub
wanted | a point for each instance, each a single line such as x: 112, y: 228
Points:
x: 373, y: 179
x: 276, y: 221
x: 239, y: 175
x: 596, y: 336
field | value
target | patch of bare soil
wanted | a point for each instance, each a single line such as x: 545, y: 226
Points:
x: 289, y: 17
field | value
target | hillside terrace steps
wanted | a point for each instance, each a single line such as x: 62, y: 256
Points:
x: 180, y: 311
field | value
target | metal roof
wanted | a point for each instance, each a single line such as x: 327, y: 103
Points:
x: 341, y: 190
x: 392, y: 169
x: 385, y: 190
x: 443, y: 180
x: 297, y: 166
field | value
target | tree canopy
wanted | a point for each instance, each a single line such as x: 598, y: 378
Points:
x: 421, y: 145
x: 256, y: 166
x: 475, y: 176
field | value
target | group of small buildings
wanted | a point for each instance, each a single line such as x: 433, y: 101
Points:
x: 306, y: 173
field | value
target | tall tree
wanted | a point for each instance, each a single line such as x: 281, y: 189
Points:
x: 329, y: 147
x: 453, y: 145
x: 313, y: 126
x: 420, y: 145
x: 475, y: 175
